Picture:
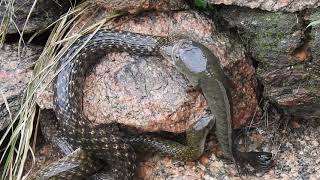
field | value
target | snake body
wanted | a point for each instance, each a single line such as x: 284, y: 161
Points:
x: 102, y: 141
x: 106, y: 142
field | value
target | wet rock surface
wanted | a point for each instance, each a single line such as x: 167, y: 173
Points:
x: 271, y: 5
x: 15, y: 72
x: 44, y: 13
x: 280, y: 44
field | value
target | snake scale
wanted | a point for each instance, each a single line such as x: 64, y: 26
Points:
x: 105, y: 142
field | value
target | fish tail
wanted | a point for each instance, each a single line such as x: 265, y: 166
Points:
x: 258, y: 160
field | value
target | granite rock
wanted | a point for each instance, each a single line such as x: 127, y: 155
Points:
x: 271, y: 5
x: 286, y: 54
x: 15, y: 72
x: 44, y: 13
x: 148, y: 93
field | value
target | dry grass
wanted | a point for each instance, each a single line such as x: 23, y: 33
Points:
x: 7, y: 18
x: 22, y: 124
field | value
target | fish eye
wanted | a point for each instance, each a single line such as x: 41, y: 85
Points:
x: 176, y: 56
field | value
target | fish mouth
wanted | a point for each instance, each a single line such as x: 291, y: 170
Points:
x: 167, y: 52
x: 170, y: 51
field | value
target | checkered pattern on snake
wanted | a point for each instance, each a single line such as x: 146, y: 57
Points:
x: 104, y: 142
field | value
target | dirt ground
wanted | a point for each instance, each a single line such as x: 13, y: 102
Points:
x: 295, y: 146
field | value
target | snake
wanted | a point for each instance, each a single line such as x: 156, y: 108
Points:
x: 106, y: 143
